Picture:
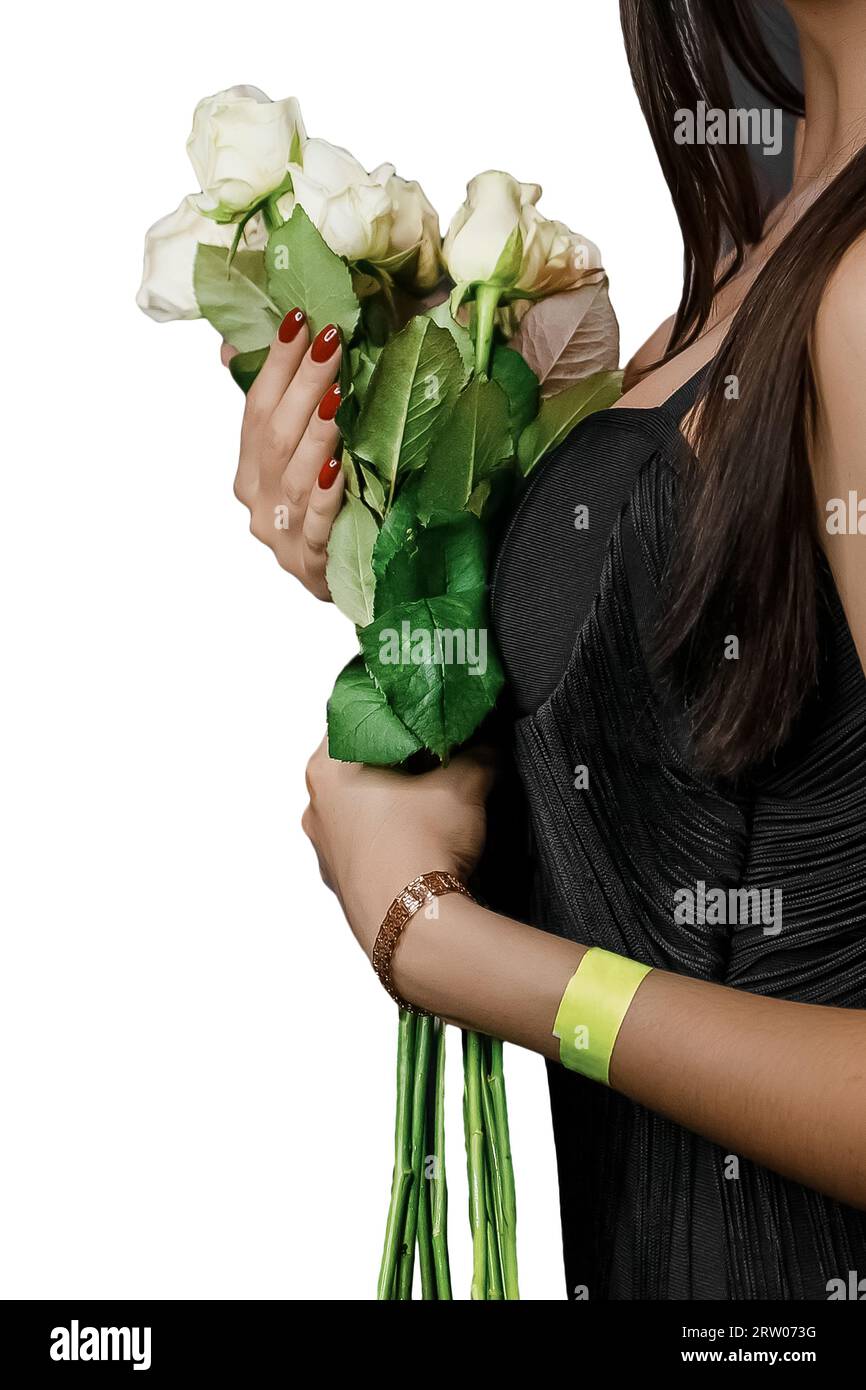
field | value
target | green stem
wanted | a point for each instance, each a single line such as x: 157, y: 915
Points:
x: 494, y: 1282
x: 492, y: 1194
x: 426, y: 1263
x: 495, y: 1205
x: 438, y: 1186
x: 423, y: 1035
x: 402, y: 1178
x: 508, y: 1231
x: 272, y: 217
x: 474, y: 1128
x: 486, y: 303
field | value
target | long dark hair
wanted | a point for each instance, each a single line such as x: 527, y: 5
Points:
x: 746, y: 556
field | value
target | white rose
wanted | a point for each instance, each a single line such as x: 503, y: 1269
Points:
x: 170, y: 247
x: 554, y: 257
x: 484, y: 226
x: 546, y: 256
x: 415, y: 223
x: 240, y: 146
x: 351, y: 208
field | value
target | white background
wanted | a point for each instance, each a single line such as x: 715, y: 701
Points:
x: 197, y: 1062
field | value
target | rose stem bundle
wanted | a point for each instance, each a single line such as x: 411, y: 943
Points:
x: 420, y: 1080
x: 492, y: 1202
x: 418, y: 1212
x: 505, y: 1189
x: 419, y: 1197
x: 402, y: 1178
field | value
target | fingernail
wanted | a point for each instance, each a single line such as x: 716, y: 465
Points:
x: 330, y: 402
x: 291, y: 325
x: 328, y: 473
x: 325, y: 344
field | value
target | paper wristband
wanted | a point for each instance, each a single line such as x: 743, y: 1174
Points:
x: 596, y: 1000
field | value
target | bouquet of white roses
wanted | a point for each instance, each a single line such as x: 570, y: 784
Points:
x: 464, y: 362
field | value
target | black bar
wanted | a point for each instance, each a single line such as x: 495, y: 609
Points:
x: 245, y: 1341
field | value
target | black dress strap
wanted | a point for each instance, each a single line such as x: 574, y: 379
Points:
x: 659, y: 422
x: 682, y: 400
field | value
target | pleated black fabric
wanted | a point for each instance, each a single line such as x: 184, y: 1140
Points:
x: 650, y: 1210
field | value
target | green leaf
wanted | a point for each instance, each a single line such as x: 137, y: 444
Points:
x: 440, y: 672
x: 569, y: 336
x: 234, y: 298
x: 449, y: 557
x: 350, y: 473
x: 559, y: 414
x: 349, y: 407
x: 507, y: 268
x: 441, y: 315
x: 479, y: 498
x: 435, y: 661
x: 362, y: 728
x: 356, y: 369
x: 474, y: 440
x: 350, y: 557
x: 374, y: 493
x: 304, y: 273
x: 412, y: 388
x: 363, y: 359
x: 520, y: 385
x: 245, y: 367
x: 493, y: 497
x: 400, y: 528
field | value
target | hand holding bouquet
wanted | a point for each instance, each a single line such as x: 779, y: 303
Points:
x: 464, y: 362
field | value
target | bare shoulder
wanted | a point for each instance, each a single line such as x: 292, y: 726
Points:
x: 839, y: 345
x: 839, y: 446
x: 650, y: 352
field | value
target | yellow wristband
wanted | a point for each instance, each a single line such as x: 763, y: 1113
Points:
x: 596, y: 1000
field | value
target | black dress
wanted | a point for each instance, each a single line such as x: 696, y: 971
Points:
x: 650, y: 1210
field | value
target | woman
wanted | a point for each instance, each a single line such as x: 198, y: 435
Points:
x: 691, y: 717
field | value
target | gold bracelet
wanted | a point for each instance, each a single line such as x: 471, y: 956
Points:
x: 414, y: 896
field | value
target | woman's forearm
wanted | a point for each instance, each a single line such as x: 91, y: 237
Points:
x: 778, y: 1082
x: 486, y: 972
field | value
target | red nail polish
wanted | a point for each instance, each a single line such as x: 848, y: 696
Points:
x: 326, y: 343
x: 330, y: 402
x: 291, y: 325
x: 328, y: 473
